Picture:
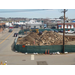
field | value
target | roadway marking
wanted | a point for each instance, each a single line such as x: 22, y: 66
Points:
x: 42, y: 63
x: 6, y: 38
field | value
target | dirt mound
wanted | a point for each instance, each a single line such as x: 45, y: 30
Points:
x: 51, y: 38
x: 28, y: 40
x: 47, y: 38
x: 34, y: 35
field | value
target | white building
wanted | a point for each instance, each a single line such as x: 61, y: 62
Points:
x: 8, y: 24
x: 56, y: 20
x: 34, y: 24
x: 30, y: 24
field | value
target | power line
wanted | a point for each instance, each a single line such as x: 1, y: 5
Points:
x: 24, y: 10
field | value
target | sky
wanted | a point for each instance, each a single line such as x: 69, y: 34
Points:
x: 51, y: 13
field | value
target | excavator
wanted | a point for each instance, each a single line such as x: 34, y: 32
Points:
x: 36, y: 30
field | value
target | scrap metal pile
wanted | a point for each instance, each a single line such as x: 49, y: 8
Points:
x: 47, y: 38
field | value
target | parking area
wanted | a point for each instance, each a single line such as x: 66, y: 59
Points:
x: 67, y: 34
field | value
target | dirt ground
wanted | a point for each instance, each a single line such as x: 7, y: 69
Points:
x: 70, y: 43
x: 71, y: 40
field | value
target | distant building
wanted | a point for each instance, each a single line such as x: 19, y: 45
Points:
x: 52, y: 25
x: 2, y: 26
x: 67, y: 25
x: 55, y: 20
x: 8, y: 24
x: 34, y: 24
x: 73, y: 21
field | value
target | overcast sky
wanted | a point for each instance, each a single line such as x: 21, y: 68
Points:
x: 53, y: 13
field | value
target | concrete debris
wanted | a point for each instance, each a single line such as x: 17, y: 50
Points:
x: 47, y: 38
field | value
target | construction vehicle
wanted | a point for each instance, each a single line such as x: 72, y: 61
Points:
x: 34, y: 30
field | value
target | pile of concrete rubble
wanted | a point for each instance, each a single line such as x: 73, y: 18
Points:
x: 47, y: 38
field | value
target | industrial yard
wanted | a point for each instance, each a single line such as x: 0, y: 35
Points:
x: 37, y: 41
x: 46, y: 38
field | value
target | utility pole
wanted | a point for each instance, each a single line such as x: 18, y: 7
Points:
x: 64, y: 30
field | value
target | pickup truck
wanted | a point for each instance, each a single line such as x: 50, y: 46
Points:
x: 69, y: 31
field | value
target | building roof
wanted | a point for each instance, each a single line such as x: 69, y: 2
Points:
x: 66, y: 23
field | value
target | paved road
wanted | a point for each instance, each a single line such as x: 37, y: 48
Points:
x: 6, y: 42
x: 13, y: 58
x: 5, y: 39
